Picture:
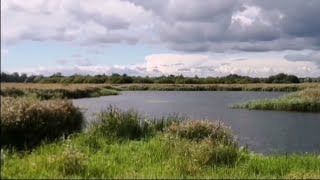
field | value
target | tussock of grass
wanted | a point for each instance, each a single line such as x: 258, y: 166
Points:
x: 304, y: 101
x: 28, y: 121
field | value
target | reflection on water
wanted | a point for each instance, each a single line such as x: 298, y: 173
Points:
x: 263, y: 131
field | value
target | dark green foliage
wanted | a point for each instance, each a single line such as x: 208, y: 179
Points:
x: 170, y: 79
x: 283, y: 78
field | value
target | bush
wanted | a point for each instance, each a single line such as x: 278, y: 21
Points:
x: 25, y: 122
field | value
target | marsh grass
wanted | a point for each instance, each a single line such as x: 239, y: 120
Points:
x: 53, y: 91
x: 307, y: 100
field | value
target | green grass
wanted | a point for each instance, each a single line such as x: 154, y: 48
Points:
x: 169, y: 148
x: 156, y: 157
x: 307, y: 100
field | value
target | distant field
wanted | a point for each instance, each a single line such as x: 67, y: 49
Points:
x: 49, y: 91
x: 219, y: 87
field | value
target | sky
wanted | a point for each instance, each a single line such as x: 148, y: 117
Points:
x: 161, y: 37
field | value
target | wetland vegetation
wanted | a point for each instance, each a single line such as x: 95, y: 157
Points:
x: 141, y: 148
x: 307, y: 100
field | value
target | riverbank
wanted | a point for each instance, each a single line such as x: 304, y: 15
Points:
x: 72, y: 91
x: 307, y: 100
x: 126, y: 145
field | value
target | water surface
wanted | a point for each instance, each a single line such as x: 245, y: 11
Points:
x: 264, y: 132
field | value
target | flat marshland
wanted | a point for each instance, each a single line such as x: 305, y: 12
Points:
x: 219, y: 87
x: 49, y: 91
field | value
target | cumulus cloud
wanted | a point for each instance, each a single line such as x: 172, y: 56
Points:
x: 193, y: 26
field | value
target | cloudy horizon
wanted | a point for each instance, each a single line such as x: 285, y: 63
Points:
x: 154, y: 38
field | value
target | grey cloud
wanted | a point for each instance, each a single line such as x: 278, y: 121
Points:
x: 240, y: 59
x: 192, y: 26
x: 184, y: 69
x: 156, y: 71
x: 285, y: 25
x: 62, y: 61
x: 204, y: 68
x: 312, y: 57
x: 141, y: 68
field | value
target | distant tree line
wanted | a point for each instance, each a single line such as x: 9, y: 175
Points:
x: 170, y: 79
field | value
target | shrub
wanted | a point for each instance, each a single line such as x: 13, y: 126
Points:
x: 25, y: 122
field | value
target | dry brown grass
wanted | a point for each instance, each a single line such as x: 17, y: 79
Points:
x: 48, y: 91
x: 27, y: 121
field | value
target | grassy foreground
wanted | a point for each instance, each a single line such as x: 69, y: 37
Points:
x: 307, y: 100
x: 125, y: 145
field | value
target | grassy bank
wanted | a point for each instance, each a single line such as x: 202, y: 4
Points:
x: 307, y: 100
x: 218, y: 87
x: 50, y: 91
x: 126, y: 145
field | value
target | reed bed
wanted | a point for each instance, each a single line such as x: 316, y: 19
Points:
x: 307, y: 100
x: 167, y: 148
x: 50, y: 91
x: 218, y: 87
x: 25, y: 122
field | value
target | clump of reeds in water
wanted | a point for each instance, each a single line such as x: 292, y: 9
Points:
x: 307, y: 100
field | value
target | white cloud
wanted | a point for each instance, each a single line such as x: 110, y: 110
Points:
x: 189, y: 65
x: 94, y: 21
